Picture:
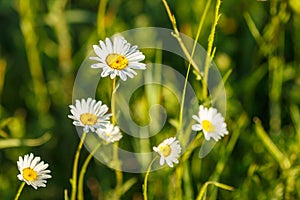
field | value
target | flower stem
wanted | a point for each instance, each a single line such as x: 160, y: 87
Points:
x: 75, y: 166
x: 19, y: 191
x: 80, y: 195
x: 146, y: 178
x: 118, y: 172
x: 113, y: 118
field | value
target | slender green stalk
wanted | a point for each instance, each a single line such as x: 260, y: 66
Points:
x: 253, y: 29
x: 210, y: 47
x: 282, y: 160
x: 178, y: 182
x: 28, y: 17
x: 219, y: 185
x: 19, y: 190
x: 194, y: 144
x: 101, y: 18
x: 58, y: 21
x: 200, y: 25
x: 80, y: 195
x: 3, y: 66
x: 75, y: 167
x: 112, y: 103
x: 119, y: 175
x: 177, y: 36
x: 146, y: 178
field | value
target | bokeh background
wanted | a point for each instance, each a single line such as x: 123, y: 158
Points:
x: 43, y: 43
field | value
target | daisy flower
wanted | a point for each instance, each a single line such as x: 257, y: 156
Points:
x: 211, y: 123
x: 117, y: 58
x: 169, y: 151
x: 110, y: 133
x: 33, y: 171
x: 89, y: 114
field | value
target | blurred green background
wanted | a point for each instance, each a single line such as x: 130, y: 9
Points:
x: 43, y: 43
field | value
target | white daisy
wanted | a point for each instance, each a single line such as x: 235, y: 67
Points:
x: 89, y: 114
x: 33, y: 171
x: 110, y: 133
x: 211, y: 123
x: 118, y: 58
x: 169, y: 151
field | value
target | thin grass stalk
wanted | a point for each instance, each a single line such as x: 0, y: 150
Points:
x: 75, y: 167
x: 3, y: 66
x: 118, y: 172
x: 145, y: 186
x: 241, y: 123
x: 80, y: 195
x: 187, y: 182
x: 180, y: 168
x: 101, y: 19
x: 210, y: 51
x: 27, y: 17
x: 276, y: 63
x: 58, y: 21
x: 281, y: 159
x: 200, y: 25
x: 176, y: 34
x: 204, y: 188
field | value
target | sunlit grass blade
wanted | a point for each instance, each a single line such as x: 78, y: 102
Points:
x: 210, y: 49
x: 17, y: 142
x: 2, y: 74
x: 281, y: 159
x: 27, y: 16
x: 203, y: 190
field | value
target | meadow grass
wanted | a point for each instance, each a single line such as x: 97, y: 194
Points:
x: 255, y: 45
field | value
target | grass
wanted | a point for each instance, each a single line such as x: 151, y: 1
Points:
x: 255, y: 46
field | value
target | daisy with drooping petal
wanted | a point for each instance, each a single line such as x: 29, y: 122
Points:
x: 33, y: 171
x: 211, y: 122
x: 89, y: 114
x: 169, y: 151
x: 110, y: 133
x: 118, y: 58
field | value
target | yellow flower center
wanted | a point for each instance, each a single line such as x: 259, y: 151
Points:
x: 88, y: 119
x: 29, y: 174
x: 208, y: 126
x: 117, y: 61
x: 166, y: 150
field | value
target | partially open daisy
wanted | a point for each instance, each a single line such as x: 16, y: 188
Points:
x: 211, y: 122
x: 169, y: 151
x: 33, y: 171
x: 89, y: 114
x: 109, y: 133
x: 118, y: 58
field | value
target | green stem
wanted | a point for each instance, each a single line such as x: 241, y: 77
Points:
x: 178, y: 38
x: 75, y: 166
x: 80, y: 195
x: 210, y: 53
x: 101, y: 18
x: 19, y: 191
x: 118, y: 172
x: 217, y: 184
x: 27, y: 12
x: 146, y: 178
x: 113, y: 118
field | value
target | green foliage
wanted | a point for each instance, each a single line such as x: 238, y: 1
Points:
x: 256, y: 48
